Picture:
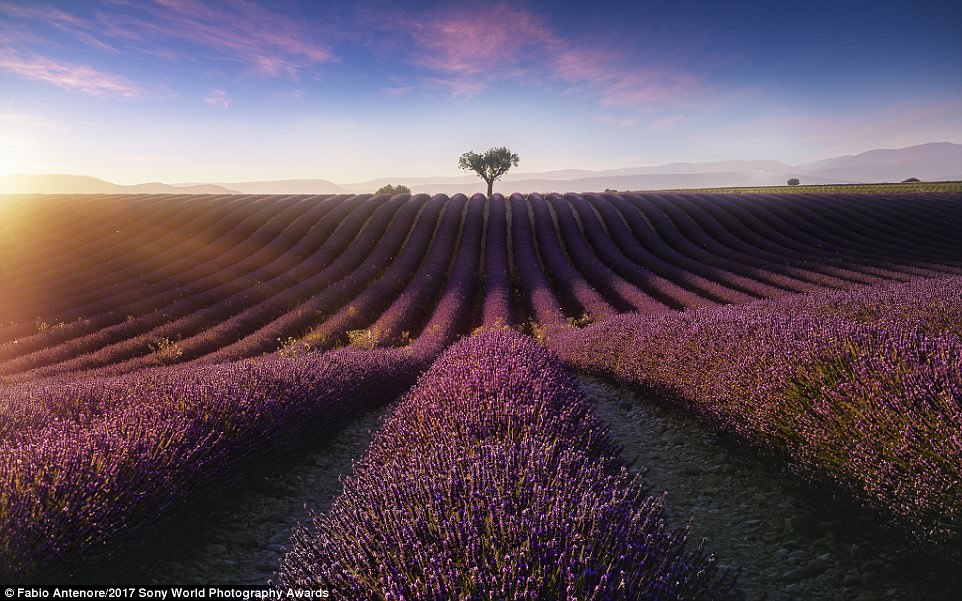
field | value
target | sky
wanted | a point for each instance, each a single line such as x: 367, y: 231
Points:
x: 202, y: 91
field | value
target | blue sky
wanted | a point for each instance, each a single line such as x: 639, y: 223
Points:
x: 189, y: 90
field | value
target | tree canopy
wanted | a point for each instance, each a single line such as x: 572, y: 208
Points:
x: 491, y: 165
x: 389, y: 189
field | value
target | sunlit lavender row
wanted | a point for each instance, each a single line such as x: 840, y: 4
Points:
x: 493, y: 479
x: 863, y: 387
x: 87, y: 465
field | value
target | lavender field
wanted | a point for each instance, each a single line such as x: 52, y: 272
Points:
x: 158, y: 354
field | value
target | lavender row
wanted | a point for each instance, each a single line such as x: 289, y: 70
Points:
x: 606, y: 245
x: 913, y: 221
x: 195, y: 291
x: 762, y: 237
x: 452, y: 313
x: 570, y: 284
x: 497, y: 305
x: 647, y: 250
x: 168, y: 228
x: 544, y: 305
x: 31, y: 250
x: 862, y: 387
x: 493, y: 479
x: 813, y: 245
x: 78, y: 222
x: 235, y: 316
x: 725, y: 236
x: 363, y: 309
x: 200, y: 284
x: 348, y: 276
x: 128, y: 450
x: 614, y: 287
x: 845, y: 225
x: 411, y: 309
x: 354, y: 245
x: 663, y: 238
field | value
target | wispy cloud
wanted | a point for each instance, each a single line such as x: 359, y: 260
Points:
x: 70, y: 76
x: 218, y: 98
x: 257, y: 36
x: 83, y: 30
x: 476, y: 42
x: 266, y: 42
x: 467, y: 49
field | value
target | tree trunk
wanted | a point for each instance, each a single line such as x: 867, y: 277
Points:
x: 490, y: 187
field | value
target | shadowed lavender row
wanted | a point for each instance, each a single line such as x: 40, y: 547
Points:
x: 861, y: 387
x: 493, y: 479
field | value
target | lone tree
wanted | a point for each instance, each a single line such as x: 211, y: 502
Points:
x: 793, y: 181
x: 389, y: 189
x: 491, y: 165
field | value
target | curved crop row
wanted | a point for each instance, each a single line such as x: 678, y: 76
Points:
x: 864, y: 387
x: 198, y: 283
x: 812, y: 232
x: 725, y: 236
x: 493, y: 479
x: 363, y: 309
x: 407, y: 314
x: 453, y: 310
x: 544, y: 305
x: 570, y: 283
x: 345, y: 277
x: 639, y: 274
x: 230, y: 317
x: 168, y: 231
x: 228, y: 277
x: 643, y: 245
x: 496, y: 298
x: 674, y: 243
x: 583, y: 256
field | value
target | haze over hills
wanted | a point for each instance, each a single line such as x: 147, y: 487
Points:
x: 287, y: 186
x: 929, y: 162
x: 21, y: 183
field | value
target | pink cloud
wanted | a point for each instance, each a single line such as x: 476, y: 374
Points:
x: 469, y: 49
x: 218, y: 98
x: 70, y: 76
x: 476, y: 42
x: 268, y: 43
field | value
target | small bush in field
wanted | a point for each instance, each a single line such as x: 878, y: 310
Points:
x: 165, y: 350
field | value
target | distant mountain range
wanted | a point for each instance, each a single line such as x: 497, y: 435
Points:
x: 929, y: 162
